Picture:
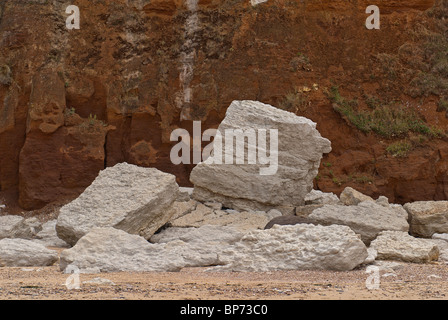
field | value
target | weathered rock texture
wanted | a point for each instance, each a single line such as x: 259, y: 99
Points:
x: 440, y: 236
x: 26, y: 229
x: 367, y: 219
x: 25, y: 253
x: 62, y: 151
x: 396, y: 245
x: 289, y: 220
x: 297, y: 247
x: 49, y: 237
x: 19, y: 227
x: 280, y: 248
x: 300, y: 149
x: 427, y: 217
x: 7, y: 223
x: 319, y: 197
x: 112, y: 250
x: 135, y: 199
x: 352, y: 197
x: 243, y: 221
x: 442, y: 245
x: 204, y: 235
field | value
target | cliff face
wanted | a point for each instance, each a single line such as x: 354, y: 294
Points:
x: 75, y: 101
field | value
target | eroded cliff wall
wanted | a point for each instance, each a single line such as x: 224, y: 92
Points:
x: 75, y: 101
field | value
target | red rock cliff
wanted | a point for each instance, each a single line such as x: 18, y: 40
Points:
x: 75, y: 101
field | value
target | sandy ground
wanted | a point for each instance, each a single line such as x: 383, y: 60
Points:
x: 411, y: 281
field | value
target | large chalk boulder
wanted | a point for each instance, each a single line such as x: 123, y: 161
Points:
x: 25, y: 253
x: 397, y: 245
x: 297, y: 247
x: 113, y: 250
x: 127, y: 197
x: 427, y: 217
x: 286, y: 149
x: 367, y: 219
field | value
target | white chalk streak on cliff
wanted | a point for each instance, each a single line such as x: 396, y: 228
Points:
x: 187, y: 59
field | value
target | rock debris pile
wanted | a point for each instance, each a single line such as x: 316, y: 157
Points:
x: 138, y: 219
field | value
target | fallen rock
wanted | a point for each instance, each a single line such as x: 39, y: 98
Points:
x: 214, y: 205
x: 441, y: 240
x: 181, y: 208
x: 367, y: 219
x: 26, y: 229
x: 290, y: 171
x: 185, y: 194
x: 352, y: 197
x: 193, y: 218
x: 400, y: 211
x: 205, y: 235
x: 127, y: 197
x: 427, y: 217
x: 48, y: 236
x: 298, y: 247
x: 25, y: 253
x: 383, y: 201
x: 319, y: 197
x: 7, y: 223
x: 18, y: 227
x: 440, y: 236
x: 242, y: 221
x: 442, y: 245
x: 113, y: 250
x: 306, y: 210
x: 201, y: 246
x: 398, y: 245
